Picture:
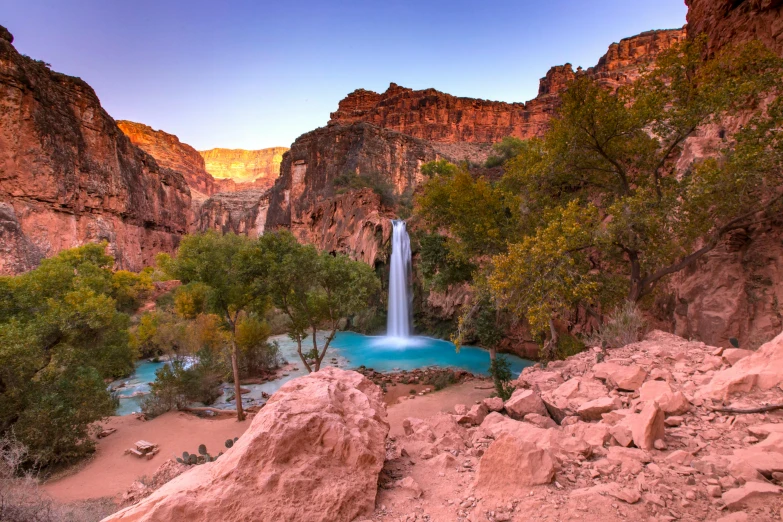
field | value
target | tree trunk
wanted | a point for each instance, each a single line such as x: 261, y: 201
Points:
x: 493, y: 353
x: 301, y: 355
x: 235, y: 369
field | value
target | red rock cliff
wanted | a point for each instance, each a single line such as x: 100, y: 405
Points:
x: 734, y: 21
x: 171, y: 153
x: 68, y: 175
x: 432, y: 115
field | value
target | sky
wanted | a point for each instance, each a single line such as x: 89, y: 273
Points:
x: 256, y: 74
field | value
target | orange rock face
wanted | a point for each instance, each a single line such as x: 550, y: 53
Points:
x: 432, y: 115
x: 728, y: 21
x: 68, y: 175
x: 256, y: 168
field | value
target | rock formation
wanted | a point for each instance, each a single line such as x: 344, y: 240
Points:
x: 68, y: 175
x: 313, y: 453
x: 256, y: 168
x: 305, y: 200
x: 663, y: 452
x: 171, y: 153
x: 432, y: 115
x: 733, y: 21
x: 242, y: 212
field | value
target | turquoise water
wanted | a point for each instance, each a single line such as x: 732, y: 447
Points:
x: 385, y: 354
x: 347, y: 350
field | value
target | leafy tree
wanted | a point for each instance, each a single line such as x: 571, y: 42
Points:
x: 506, y: 149
x: 614, y: 154
x: 61, y: 335
x: 314, y: 290
x: 221, y: 264
x: 130, y: 289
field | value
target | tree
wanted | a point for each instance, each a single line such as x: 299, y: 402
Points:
x: 617, y: 151
x: 220, y: 263
x: 314, y: 290
x: 61, y: 336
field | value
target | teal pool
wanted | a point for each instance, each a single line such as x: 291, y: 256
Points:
x: 348, y: 350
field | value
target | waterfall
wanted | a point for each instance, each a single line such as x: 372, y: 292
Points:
x: 399, y: 319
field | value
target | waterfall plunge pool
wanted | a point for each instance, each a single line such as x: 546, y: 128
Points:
x: 348, y: 350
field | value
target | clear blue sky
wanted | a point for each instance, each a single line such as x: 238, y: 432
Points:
x: 255, y: 74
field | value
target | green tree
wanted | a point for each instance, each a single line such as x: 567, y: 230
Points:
x: 314, y: 290
x: 220, y: 263
x: 61, y: 336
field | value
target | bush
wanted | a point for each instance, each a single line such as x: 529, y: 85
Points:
x: 568, y: 345
x: 352, y: 181
x: 624, y: 326
x: 500, y: 370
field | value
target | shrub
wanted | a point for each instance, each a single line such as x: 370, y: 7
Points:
x: 568, y: 345
x: 500, y: 370
x: 624, y: 326
x: 352, y: 181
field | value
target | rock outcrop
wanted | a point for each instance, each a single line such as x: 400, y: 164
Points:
x: 68, y: 175
x: 242, y: 212
x: 727, y: 22
x: 306, y: 200
x: 171, y: 153
x: 313, y: 453
x: 247, y: 168
x: 432, y: 115
x: 633, y: 461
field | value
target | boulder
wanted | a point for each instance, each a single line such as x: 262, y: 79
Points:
x: 475, y: 416
x: 323, y: 434
x: 566, y: 399
x: 732, y: 356
x: 460, y: 409
x: 493, y: 403
x: 628, y: 378
x: 523, y: 402
x: 510, y: 464
x: 671, y: 402
x: 646, y: 426
x: 538, y: 380
x: 592, y: 410
x: 738, y: 497
x: 540, y: 420
x: 409, y: 486
x: 594, y: 434
x: 763, y: 370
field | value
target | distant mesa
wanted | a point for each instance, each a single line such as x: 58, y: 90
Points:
x: 257, y: 167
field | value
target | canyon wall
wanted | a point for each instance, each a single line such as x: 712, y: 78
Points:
x: 241, y: 212
x: 432, y: 115
x: 734, y: 21
x: 171, y: 153
x: 68, y: 175
x: 305, y: 199
x: 256, y: 168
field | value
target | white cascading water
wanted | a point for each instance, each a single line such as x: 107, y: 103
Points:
x: 398, y: 323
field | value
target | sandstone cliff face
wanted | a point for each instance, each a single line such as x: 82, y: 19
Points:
x: 256, y: 168
x: 304, y: 198
x: 432, y: 115
x: 732, y: 21
x: 171, y: 153
x: 68, y: 175
x: 242, y: 212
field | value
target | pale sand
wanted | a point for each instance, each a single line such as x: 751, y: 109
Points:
x: 110, y: 472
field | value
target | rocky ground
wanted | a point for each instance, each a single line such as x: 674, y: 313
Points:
x: 638, y: 433
x: 632, y: 437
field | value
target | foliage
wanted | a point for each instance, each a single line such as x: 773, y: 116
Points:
x: 377, y: 182
x: 568, y: 345
x: 500, y: 370
x: 624, y: 326
x: 61, y: 335
x: 506, y: 149
x: 130, y: 289
x: 314, y: 290
x: 438, y: 270
x: 256, y: 354
x: 218, y: 269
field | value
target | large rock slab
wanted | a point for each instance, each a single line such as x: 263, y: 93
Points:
x: 671, y: 402
x: 566, y: 399
x: 523, y: 402
x: 629, y: 378
x: 763, y: 370
x: 312, y: 454
x: 510, y: 464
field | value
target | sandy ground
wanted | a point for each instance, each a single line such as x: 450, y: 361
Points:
x: 421, y: 407
x: 109, y: 472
